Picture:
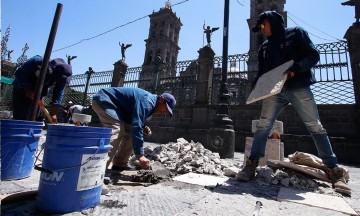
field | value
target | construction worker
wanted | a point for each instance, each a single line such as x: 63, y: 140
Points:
x: 58, y: 75
x: 284, y: 44
x: 126, y: 110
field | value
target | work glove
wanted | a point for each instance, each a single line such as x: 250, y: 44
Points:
x: 53, y: 112
x: 29, y: 94
x: 292, y: 71
x: 147, y: 131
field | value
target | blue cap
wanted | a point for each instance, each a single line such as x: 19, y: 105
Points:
x: 62, y: 71
x: 170, y: 102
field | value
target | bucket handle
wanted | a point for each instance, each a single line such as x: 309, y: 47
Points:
x: 39, y: 168
x: 102, y: 143
x: 42, y: 169
x: 35, y: 136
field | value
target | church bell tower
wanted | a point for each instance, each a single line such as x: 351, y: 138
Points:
x: 163, y: 37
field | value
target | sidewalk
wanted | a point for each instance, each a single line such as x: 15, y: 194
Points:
x: 179, y: 198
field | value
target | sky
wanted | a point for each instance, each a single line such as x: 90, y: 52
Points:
x: 92, y: 30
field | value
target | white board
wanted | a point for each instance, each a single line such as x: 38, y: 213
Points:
x: 269, y: 83
x: 317, y: 200
x: 201, y: 179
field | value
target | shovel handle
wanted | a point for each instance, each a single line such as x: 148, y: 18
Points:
x: 43, y: 108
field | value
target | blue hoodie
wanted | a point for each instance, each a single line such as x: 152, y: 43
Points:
x: 287, y: 44
x: 130, y: 105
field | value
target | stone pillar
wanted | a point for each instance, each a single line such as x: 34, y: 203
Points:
x: 274, y: 149
x: 352, y: 35
x: 119, y: 72
x: 204, y: 72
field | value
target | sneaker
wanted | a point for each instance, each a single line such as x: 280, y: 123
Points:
x: 339, y: 181
x: 105, y: 190
x: 248, y: 172
x: 122, y: 168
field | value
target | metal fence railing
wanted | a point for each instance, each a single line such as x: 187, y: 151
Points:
x: 333, y: 73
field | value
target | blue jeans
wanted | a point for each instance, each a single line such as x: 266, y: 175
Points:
x: 303, y: 102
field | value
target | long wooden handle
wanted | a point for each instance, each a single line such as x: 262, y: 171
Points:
x: 43, y: 108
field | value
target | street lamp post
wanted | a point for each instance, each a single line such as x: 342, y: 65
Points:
x: 222, y: 135
x: 222, y: 108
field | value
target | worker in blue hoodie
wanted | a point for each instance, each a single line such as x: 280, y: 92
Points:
x: 125, y: 110
x: 58, y: 75
x: 284, y: 44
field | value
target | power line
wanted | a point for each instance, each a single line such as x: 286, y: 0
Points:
x: 242, y: 4
x: 128, y: 23
x: 313, y: 28
x: 308, y: 25
x: 310, y: 32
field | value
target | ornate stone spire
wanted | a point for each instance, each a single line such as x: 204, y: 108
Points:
x: 168, y: 4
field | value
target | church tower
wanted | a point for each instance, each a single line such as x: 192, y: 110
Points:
x: 163, y: 37
x: 256, y: 39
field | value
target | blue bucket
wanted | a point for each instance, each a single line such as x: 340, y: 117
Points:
x: 73, y: 168
x: 19, y: 142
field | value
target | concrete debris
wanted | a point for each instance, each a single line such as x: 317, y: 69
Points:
x: 265, y: 176
x: 184, y: 157
x: 149, y: 177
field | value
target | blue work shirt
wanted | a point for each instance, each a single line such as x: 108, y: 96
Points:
x: 27, y: 75
x: 130, y: 105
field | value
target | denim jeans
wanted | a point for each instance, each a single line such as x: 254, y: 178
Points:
x: 303, y: 102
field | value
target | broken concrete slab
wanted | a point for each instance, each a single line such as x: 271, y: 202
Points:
x: 159, y: 169
x: 316, y: 200
x: 270, y: 83
x: 201, y: 179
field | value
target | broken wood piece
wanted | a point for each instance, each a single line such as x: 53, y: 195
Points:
x: 313, y: 172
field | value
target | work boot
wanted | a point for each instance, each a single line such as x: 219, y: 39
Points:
x: 339, y: 179
x: 248, y: 172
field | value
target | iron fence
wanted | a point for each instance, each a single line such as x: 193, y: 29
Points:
x: 334, y: 80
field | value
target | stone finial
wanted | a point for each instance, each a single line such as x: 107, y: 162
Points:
x: 355, y: 3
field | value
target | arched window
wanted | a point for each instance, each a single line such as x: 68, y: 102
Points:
x: 150, y: 57
x: 168, y: 57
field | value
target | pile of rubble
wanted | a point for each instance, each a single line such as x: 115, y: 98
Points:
x: 265, y: 176
x: 184, y: 157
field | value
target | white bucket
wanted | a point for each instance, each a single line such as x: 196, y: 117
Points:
x: 5, y: 114
x: 81, y: 119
